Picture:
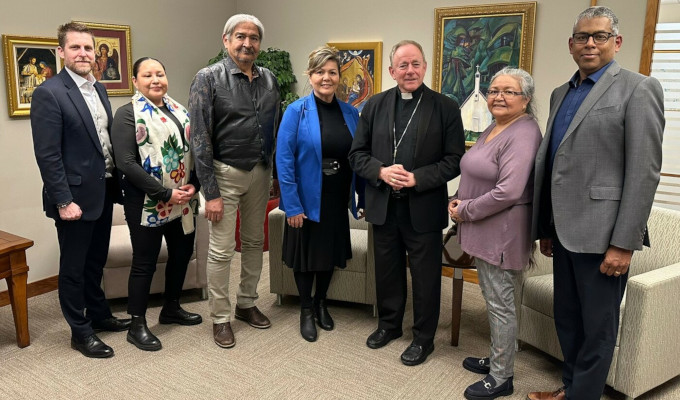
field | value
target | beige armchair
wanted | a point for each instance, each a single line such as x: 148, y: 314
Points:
x: 117, y: 268
x: 646, y: 353
x: 355, y: 283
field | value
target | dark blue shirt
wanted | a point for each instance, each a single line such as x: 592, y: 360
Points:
x: 572, y: 101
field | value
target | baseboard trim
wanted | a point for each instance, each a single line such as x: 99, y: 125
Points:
x: 469, y: 275
x: 34, y: 289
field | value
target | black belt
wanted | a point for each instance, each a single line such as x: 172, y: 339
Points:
x: 330, y: 166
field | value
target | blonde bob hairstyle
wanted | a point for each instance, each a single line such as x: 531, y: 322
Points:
x: 320, y: 56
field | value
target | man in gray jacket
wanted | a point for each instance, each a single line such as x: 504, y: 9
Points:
x: 235, y: 108
x: 596, y: 173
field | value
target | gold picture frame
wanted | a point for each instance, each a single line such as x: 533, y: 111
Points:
x: 29, y: 61
x: 360, y: 71
x: 471, y: 44
x: 113, y: 69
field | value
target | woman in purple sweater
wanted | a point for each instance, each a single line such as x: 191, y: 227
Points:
x: 493, y: 211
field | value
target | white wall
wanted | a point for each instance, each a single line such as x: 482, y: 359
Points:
x: 182, y: 34
x: 303, y: 25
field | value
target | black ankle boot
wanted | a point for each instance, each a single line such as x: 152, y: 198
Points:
x: 140, y: 335
x: 172, y: 313
x: 323, y: 318
x: 307, y: 327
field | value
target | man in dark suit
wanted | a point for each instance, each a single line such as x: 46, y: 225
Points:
x: 596, y: 174
x: 71, y: 120
x: 407, y: 146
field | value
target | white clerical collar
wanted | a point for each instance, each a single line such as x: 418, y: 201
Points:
x: 406, y: 95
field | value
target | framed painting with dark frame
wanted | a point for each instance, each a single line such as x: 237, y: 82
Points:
x: 29, y: 61
x: 471, y: 44
x: 360, y: 71
x: 113, y: 62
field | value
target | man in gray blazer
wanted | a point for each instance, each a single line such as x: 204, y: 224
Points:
x: 596, y: 174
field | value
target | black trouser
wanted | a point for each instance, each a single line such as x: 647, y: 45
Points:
x: 305, y: 281
x: 392, y: 241
x: 146, y: 245
x: 586, y: 308
x: 84, y: 246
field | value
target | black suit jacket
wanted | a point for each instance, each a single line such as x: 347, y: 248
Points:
x: 67, y: 146
x: 440, y: 143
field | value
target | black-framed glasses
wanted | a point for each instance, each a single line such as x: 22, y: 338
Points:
x: 508, y: 94
x: 598, y: 37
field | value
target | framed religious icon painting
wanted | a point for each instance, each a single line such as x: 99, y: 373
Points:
x: 113, y: 62
x: 360, y: 71
x: 29, y: 61
x: 471, y: 44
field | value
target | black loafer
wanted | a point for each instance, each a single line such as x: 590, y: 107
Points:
x: 112, y: 324
x: 487, y: 389
x: 92, y: 347
x: 477, y: 365
x: 416, y: 354
x: 381, y: 337
x: 179, y: 316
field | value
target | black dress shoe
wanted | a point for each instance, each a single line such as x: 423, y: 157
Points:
x: 92, y: 347
x: 477, y: 365
x: 307, y: 327
x: 323, y: 318
x: 112, y: 324
x: 488, y: 389
x: 140, y: 335
x: 381, y: 337
x: 171, y: 315
x: 416, y: 354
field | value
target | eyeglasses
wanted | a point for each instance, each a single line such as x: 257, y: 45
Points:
x: 507, y: 94
x: 598, y: 37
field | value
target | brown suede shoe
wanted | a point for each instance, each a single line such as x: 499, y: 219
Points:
x: 558, y: 394
x: 223, y: 335
x: 253, y: 317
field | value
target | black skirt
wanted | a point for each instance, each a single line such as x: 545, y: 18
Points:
x: 321, y: 246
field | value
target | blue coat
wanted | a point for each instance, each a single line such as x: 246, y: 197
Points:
x: 298, y: 158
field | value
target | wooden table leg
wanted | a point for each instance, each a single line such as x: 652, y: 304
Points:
x: 456, y: 304
x: 16, y: 286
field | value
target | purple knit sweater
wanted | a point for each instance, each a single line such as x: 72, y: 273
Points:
x: 496, y: 190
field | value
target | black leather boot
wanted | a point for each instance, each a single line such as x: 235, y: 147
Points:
x: 307, y: 327
x: 323, y: 318
x: 140, y: 335
x: 172, y: 313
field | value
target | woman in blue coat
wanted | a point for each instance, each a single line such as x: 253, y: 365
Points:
x: 316, y: 181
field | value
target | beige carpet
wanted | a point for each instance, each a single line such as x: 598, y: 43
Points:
x: 275, y: 363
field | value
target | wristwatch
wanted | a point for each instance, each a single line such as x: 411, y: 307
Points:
x: 64, y: 204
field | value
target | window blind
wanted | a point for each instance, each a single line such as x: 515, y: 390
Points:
x: 666, y: 68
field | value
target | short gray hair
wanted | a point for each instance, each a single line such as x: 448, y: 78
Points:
x: 238, y: 19
x: 526, y: 83
x: 404, y: 43
x: 597, y: 12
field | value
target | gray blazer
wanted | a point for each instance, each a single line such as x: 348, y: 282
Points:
x: 607, y: 166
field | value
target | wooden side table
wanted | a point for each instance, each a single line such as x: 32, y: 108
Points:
x: 454, y: 256
x: 14, y: 269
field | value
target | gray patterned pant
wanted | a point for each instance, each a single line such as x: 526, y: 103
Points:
x: 498, y: 289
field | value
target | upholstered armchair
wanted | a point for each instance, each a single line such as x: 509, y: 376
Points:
x: 646, y: 353
x: 355, y: 283
x: 117, y: 268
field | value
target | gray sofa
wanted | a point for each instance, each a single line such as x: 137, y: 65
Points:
x: 117, y: 268
x: 646, y: 353
x: 355, y: 283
